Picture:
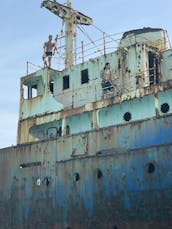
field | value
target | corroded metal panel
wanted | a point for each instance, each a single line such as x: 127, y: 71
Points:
x: 129, y: 71
x: 97, y: 161
x: 105, y: 113
x: 114, y: 115
x: 114, y: 189
x: 156, y: 38
x: 128, y: 135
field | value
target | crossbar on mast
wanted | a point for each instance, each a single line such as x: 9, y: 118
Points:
x: 71, y: 19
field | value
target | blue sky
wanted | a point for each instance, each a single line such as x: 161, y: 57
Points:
x: 25, y: 26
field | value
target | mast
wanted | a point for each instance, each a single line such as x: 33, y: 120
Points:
x: 71, y: 18
x: 70, y: 37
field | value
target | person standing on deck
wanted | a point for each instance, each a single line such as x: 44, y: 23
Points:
x: 49, y: 50
x: 106, y: 76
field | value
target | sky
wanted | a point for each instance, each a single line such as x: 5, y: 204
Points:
x: 25, y: 26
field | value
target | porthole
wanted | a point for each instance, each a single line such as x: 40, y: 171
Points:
x: 127, y: 116
x: 165, y: 107
x: 150, y: 168
x: 38, y: 181
x: 115, y: 227
x: 76, y: 177
x: 99, y: 174
x: 47, y: 181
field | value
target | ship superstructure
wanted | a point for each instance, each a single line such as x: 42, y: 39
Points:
x: 51, y: 100
x: 94, y: 145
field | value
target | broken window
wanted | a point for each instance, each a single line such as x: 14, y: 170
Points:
x: 25, y: 91
x: 67, y: 130
x: 84, y: 76
x: 33, y: 87
x: 60, y: 131
x: 34, y: 91
x: 153, y: 68
x: 51, y: 86
x: 51, y: 133
x: 65, y: 82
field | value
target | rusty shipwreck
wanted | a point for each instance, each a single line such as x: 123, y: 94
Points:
x: 94, y: 145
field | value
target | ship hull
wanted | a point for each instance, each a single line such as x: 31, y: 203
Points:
x: 115, y: 190
x: 98, y: 186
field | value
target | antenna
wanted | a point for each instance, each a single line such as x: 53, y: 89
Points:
x: 71, y: 18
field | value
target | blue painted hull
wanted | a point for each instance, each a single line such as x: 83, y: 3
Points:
x: 126, y: 186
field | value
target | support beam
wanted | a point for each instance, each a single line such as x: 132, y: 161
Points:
x: 71, y: 19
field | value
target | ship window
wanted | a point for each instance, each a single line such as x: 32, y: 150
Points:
x: 51, y: 133
x: 65, y: 82
x: 25, y: 92
x: 84, y: 76
x: 165, y: 108
x: 32, y: 164
x: 34, y: 91
x: 67, y: 130
x: 127, y: 116
x: 76, y: 177
x: 47, y: 181
x: 51, y: 86
x: 119, y: 64
x: 150, y: 168
x: 38, y: 181
x: 99, y: 174
x: 153, y: 68
x: 60, y: 131
x: 115, y: 227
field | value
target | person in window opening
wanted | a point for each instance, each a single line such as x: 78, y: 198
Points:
x: 49, y: 50
x: 106, y: 76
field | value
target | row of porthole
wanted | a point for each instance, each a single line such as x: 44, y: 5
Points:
x: 76, y: 176
x: 164, y: 109
x: 150, y: 168
x: 127, y: 117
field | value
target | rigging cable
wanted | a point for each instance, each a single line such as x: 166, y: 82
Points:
x: 110, y: 36
x: 87, y: 35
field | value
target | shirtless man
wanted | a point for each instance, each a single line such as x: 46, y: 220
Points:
x: 49, y: 50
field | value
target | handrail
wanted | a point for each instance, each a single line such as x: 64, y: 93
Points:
x: 85, y: 51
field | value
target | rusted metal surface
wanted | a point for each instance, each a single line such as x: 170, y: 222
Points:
x: 126, y: 136
x: 134, y: 189
x: 100, y: 114
x: 139, y: 93
x: 126, y: 78
x: 87, y: 157
x: 44, y: 104
x: 158, y: 41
